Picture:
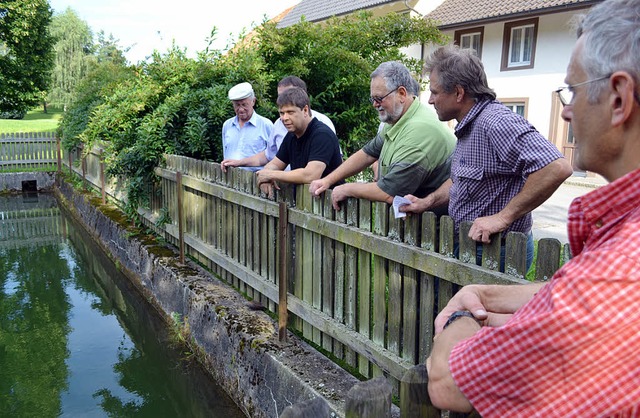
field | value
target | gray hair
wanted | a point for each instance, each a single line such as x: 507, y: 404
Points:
x: 395, y: 74
x: 611, y: 33
x: 460, y: 67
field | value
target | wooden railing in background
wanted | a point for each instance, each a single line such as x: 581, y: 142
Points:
x: 28, y: 151
x: 362, y: 285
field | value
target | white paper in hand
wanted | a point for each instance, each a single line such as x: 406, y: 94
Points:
x: 397, y: 202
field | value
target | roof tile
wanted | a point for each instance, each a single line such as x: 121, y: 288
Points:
x: 314, y: 10
x: 452, y: 12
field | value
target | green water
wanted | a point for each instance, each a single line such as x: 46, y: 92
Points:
x: 75, y: 339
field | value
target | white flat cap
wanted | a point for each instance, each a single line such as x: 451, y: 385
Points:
x: 240, y: 91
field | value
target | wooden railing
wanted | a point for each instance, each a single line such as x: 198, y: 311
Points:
x: 28, y: 151
x: 360, y: 284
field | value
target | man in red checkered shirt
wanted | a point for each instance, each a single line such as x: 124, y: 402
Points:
x: 567, y: 348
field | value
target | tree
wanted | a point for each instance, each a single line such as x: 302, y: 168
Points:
x: 73, y: 47
x: 26, y: 54
x: 173, y: 104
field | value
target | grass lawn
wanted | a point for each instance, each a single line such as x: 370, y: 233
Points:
x: 35, y: 121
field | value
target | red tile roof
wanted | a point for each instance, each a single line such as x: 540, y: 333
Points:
x: 459, y: 12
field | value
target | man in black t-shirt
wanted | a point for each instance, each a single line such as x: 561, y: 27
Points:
x: 310, y: 147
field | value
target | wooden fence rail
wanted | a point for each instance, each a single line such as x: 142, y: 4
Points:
x: 28, y: 151
x: 362, y: 284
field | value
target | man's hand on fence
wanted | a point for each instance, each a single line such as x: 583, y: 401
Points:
x: 417, y: 205
x: 484, y: 227
x: 267, y: 189
x: 317, y: 187
x: 229, y: 163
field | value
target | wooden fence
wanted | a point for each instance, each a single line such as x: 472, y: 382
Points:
x: 360, y: 284
x: 28, y: 151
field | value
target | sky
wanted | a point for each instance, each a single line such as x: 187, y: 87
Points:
x: 148, y: 25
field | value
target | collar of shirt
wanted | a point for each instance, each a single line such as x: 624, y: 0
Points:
x: 601, y: 208
x: 470, y: 116
x: 251, y: 120
x: 391, y: 132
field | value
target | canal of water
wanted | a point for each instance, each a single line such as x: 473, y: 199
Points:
x: 76, y: 340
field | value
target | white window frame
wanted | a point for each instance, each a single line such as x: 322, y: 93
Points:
x: 519, y: 44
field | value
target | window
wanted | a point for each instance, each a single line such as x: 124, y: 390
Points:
x: 519, y: 44
x: 517, y: 105
x: 470, y: 39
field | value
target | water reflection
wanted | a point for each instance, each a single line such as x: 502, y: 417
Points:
x: 75, y: 339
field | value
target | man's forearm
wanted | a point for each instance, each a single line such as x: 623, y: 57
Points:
x: 369, y: 191
x: 353, y: 165
x: 443, y: 391
x: 298, y: 176
x: 540, y: 185
x: 506, y: 298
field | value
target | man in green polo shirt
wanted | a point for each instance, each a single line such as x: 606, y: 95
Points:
x: 412, y: 148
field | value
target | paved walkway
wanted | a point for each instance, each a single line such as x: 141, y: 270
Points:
x: 550, y: 218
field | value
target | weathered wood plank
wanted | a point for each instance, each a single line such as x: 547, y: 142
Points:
x: 351, y: 269
x: 316, y: 261
x: 364, y: 285
x: 328, y: 270
x: 410, y: 297
x: 548, y: 258
x: 340, y: 280
x: 378, y: 334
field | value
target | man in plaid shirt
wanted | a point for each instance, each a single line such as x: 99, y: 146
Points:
x: 569, y: 347
x: 502, y: 167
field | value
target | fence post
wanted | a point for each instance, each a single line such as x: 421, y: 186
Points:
x: 283, y: 290
x: 83, y: 165
x: 59, y: 154
x: 414, y: 395
x: 369, y: 399
x: 180, y: 217
x: 314, y: 408
x: 70, y: 164
x: 102, y: 182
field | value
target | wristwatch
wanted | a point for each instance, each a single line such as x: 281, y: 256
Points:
x: 460, y: 314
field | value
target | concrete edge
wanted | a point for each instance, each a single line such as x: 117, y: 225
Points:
x: 12, y: 182
x: 242, y: 351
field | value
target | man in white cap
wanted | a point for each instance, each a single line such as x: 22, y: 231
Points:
x: 246, y: 133
x: 279, y: 131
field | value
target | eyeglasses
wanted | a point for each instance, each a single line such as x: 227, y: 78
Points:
x: 378, y: 99
x: 565, y: 94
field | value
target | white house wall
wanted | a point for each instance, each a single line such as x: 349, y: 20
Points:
x: 555, y: 41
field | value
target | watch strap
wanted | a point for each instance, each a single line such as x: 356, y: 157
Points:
x: 459, y: 314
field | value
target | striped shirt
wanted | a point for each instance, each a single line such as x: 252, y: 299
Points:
x: 497, y: 149
x: 572, y: 351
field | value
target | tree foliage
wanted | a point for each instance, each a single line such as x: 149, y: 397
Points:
x: 26, y: 54
x: 73, y: 47
x: 174, y: 104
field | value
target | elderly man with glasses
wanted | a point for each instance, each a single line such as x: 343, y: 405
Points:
x: 567, y: 347
x: 412, y: 147
x: 246, y: 133
x: 502, y: 167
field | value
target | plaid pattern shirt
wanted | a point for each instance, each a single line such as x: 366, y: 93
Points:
x: 497, y: 149
x: 572, y: 351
